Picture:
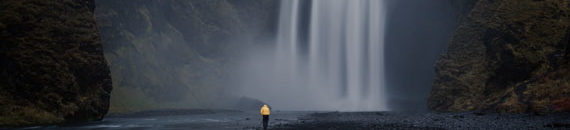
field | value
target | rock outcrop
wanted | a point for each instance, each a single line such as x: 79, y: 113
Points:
x: 507, y: 56
x: 52, y: 67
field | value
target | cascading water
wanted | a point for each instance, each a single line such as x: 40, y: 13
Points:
x: 342, y: 67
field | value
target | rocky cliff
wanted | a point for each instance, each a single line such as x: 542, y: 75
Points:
x: 176, y: 53
x: 52, y: 67
x: 507, y: 56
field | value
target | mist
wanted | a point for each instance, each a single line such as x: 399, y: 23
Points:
x: 417, y: 33
x: 317, y: 57
x: 334, y: 55
x: 179, y: 54
x: 332, y: 63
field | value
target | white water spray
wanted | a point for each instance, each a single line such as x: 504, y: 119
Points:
x: 343, y: 68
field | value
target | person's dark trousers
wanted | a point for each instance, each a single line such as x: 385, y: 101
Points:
x: 265, y: 121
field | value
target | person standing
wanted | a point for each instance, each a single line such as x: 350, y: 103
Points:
x: 265, y: 114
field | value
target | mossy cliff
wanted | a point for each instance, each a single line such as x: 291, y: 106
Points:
x: 52, y: 68
x: 507, y: 56
x: 176, y: 53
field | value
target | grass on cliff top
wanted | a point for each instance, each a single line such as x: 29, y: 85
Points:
x: 127, y: 100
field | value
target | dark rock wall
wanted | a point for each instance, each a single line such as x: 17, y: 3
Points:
x: 177, y: 53
x: 52, y: 68
x: 507, y: 56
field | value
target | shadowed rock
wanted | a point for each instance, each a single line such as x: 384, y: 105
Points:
x: 506, y: 56
x: 52, y: 68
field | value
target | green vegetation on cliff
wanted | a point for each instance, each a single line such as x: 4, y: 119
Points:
x: 507, y: 56
x: 176, y: 53
x: 52, y: 67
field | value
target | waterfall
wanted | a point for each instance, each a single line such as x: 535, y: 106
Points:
x: 342, y: 68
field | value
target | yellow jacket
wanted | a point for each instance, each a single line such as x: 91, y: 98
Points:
x: 264, y: 110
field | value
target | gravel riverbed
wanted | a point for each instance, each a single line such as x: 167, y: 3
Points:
x: 230, y: 119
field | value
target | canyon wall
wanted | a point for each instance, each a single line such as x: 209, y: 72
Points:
x: 179, y: 53
x: 507, y: 56
x: 53, y: 69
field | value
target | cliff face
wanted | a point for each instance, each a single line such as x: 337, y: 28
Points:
x: 175, y: 53
x: 52, y: 67
x: 507, y: 56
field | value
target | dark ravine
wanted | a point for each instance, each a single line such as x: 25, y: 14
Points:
x: 52, y: 68
x: 507, y: 56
